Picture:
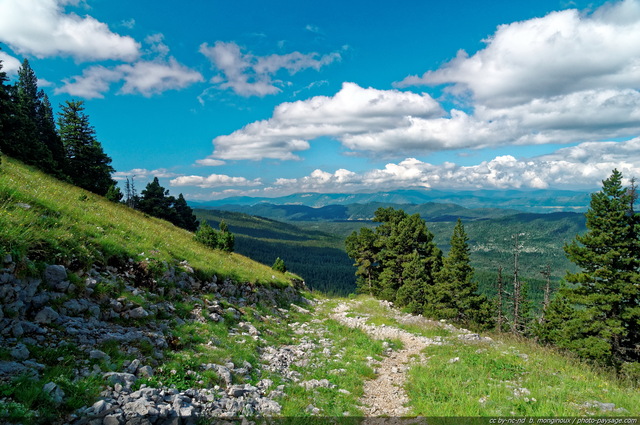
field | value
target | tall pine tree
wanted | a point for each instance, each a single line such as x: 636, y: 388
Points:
x: 455, y: 296
x: 606, y: 325
x: 397, y: 261
x: 184, y: 215
x: 24, y: 139
x: 155, y: 201
x: 86, y: 163
x: 48, y: 135
x: 361, y: 246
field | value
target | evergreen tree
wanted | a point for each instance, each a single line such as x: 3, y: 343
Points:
x: 413, y: 294
x: 86, y: 163
x: 500, y: 319
x: 554, y: 329
x: 400, y: 238
x: 222, y: 240
x: 207, y: 236
x: 184, y: 215
x: 155, y: 201
x: 114, y: 194
x: 455, y: 296
x: 279, y: 266
x: 398, y: 261
x: 606, y: 325
x: 48, y: 134
x: 24, y: 141
x: 226, y: 239
x: 362, y: 248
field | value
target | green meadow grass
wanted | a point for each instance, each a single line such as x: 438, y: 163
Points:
x: 489, y: 380
x: 47, y: 220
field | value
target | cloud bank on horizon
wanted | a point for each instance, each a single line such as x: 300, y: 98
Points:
x: 569, y: 78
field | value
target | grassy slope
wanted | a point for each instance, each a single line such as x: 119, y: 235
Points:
x: 485, y: 378
x: 51, y: 221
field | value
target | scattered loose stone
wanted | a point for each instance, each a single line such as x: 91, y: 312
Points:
x: 99, y: 355
x: 46, y: 316
x: 20, y: 352
x: 54, y: 391
x: 55, y: 274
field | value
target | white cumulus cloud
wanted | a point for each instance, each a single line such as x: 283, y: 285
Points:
x: 214, y: 180
x: 209, y: 162
x: 43, y: 28
x: 145, y: 77
x: 143, y: 173
x: 10, y: 65
x: 250, y: 75
x: 352, y: 111
x: 566, y: 77
x: 560, y: 53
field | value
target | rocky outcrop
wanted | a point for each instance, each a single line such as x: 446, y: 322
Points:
x: 131, y: 307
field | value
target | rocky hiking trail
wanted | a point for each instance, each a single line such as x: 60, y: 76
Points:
x: 385, y: 395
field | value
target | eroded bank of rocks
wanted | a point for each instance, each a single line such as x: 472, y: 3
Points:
x: 135, y: 309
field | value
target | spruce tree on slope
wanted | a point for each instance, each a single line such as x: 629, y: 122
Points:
x: 361, y: 247
x: 184, y: 215
x: 49, y: 136
x: 606, y: 325
x: 455, y: 295
x: 26, y: 142
x: 404, y: 241
x: 155, y: 201
x: 86, y: 163
x: 226, y: 238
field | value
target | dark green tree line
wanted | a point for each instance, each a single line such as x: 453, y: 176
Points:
x: 27, y: 123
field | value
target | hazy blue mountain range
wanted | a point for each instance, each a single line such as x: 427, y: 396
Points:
x: 432, y: 211
x: 539, y: 201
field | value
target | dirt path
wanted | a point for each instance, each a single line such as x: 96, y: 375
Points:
x: 385, y: 395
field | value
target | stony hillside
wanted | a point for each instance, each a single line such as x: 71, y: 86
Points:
x: 115, y: 343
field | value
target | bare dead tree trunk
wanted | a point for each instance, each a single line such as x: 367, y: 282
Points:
x: 516, y: 288
x: 547, y: 288
x: 500, y: 320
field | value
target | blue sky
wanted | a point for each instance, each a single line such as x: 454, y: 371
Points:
x: 267, y: 98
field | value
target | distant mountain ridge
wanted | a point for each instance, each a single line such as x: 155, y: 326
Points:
x: 430, y: 211
x: 539, y: 201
